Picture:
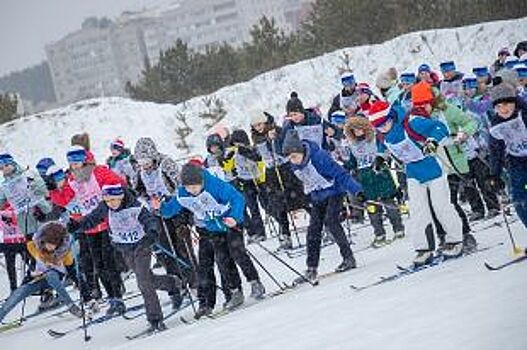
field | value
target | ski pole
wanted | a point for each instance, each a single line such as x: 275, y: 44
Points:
x: 265, y: 269
x: 516, y: 250
x: 285, y: 263
x: 165, y: 229
x: 25, y: 257
x: 76, y: 255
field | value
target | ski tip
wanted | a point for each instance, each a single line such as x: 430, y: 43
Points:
x: 55, y: 334
x: 489, y: 267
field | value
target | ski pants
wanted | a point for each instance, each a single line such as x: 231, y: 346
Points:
x: 253, y: 218
x: 518, y: 184
x: 103, y: 256
x: 207, y: 277
x: 10, y: 251
x: 479, y: 171
x: 229, y: 246
x: 425, y: 197
x: 376, y: 213
x: 51, y: 279
x: 326, y: 212
x: 92, y: 289
x: 138, y: 257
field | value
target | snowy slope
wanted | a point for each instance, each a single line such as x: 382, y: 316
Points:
x: 454, y: 306
x: 316, y: 80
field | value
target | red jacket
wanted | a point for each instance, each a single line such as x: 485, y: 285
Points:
x: 103, y: 175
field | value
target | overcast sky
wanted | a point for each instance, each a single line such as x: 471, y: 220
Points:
x: 26, y: 26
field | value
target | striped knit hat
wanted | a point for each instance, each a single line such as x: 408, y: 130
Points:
x: 113, y: 191
x: 379, y: 113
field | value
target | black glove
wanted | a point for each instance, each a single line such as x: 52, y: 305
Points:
x: 50, y: 184
x: 73, y: 226
x: 38, y: 214
x: 360, y: 198
x: 495, y: 183
x: 430, y: 147
x: 379, y: 163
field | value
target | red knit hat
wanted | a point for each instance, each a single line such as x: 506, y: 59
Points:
x: 378, y: 113
x: 422, y: 94
x: 117, y: 144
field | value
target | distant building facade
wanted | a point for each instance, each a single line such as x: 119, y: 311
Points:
x: 103, y: 55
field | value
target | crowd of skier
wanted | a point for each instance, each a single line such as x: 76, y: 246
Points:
x: 428, y: 142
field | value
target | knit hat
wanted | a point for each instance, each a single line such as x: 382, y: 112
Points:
x: 470, y: 82
x: 481, y: 72
x: 43, y: 165
x: 56, y: 173
x: 76, y: 154
x: 240, y: 136
x: 364, y: 88
x: 447, y: 66
x: 347, y: 79
x: 522, y: 45
x: 509, y: 76
x: 191, y: 175
x: 113, y: 191
x: 422, y: 94
x: 511, y: 61
x: 407, y: 78
x: 258, y: 118
x: 521, y: 70
x: 378, y: 113
x: 292, y: 143
x: 338, y: 117
x: 384, y: 81
x: 117, y: 144
x: 504, y: 51
x: 6, y: 158
x: 294, y: 104
x: 424, y: 68
x: 503, y: 92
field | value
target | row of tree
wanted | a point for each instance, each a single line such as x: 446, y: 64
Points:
x: 8, y: 107
x: 182, y: 73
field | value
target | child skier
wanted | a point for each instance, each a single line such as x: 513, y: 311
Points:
x: 375, y: 178
x: 218, y: 210
x: 121, y: 162
x: 12, y: 242
x: 326, y: 183
x: 508, y: 145
x: 51, y: 249
x: 427, y: 182
x: 133, y: 229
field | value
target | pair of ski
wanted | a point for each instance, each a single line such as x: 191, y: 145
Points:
x: 404, y: 271
x: 506, y: 264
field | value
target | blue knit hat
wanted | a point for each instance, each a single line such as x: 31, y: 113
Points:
x: 113, y: 191
x: 447, y: 66
x: 6, y: 158
x: 407, y: 78
x: 56, y: 173
x: 338, y: 117
x: 470, y: 82
x: 521, y: 70
x: 424, y: 68
x: 481, y: 72
x: 347, y: 79
x: 76, y: 154
x: 43, y: 165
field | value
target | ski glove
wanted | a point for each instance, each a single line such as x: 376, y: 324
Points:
x: 360, y: 198
x: 430, y: 147
x: 73, y: 226
x: 379, y: 163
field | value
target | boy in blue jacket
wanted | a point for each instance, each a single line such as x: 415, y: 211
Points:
x: 428, y: 189
x: 326, y: 183
x: 218, y: 210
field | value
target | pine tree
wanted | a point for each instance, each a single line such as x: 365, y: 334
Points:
x: 8, y: 107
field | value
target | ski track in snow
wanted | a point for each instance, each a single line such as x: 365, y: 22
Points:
x: 316, y: 80
x: 459, y: 305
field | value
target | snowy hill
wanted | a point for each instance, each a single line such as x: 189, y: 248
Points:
x: 316, y: 80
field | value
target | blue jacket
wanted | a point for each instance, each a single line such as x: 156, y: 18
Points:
x: 498, y: 148
x: 222, y: 192
x: 330, y: 170
x: 312, y: 118
x: 428, y: 168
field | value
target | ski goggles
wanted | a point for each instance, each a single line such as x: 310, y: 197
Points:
x: 78, y: 156
x: 338, y: 118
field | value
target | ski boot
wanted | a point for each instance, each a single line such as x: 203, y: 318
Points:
x: 424, y: 257
x: 310, y: 276
x: 493, y: 213
x: 117, y: 308
x: 257, y: 290
x: 75, y: 311
x: 156, y: 326
x: 470, y: 245
x: 203, y: 310
x: 347, y: 264
x: 235, y: 301
x: 379, y: 241
x: 286, y: 243
x: 475, y: 216
x: 399, y: 235
x: 452, y: 250
x: 176, y: 299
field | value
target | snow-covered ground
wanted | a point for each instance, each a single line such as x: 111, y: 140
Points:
x: 316, y: 80
x: 457, y: 305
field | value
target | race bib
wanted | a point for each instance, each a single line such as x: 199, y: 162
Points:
x: 125, y: 227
